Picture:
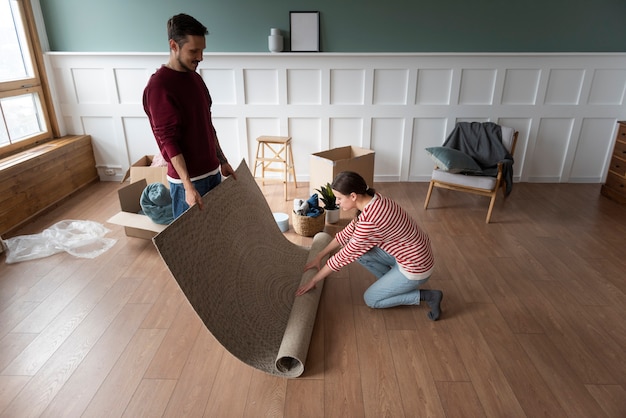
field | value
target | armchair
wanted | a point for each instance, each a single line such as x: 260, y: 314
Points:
x: 476, y: 158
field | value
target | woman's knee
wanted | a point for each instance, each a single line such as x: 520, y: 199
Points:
x: 370, y: 300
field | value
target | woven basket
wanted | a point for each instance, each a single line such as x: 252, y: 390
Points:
x: 308, y: 226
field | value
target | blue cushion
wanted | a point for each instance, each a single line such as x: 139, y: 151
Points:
x: 453, y: 161
x: 156, y: 203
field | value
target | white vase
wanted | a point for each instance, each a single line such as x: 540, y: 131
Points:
x: 332, y: 215
x: 275, y: 40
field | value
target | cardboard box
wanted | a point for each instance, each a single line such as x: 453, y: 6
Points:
x: 326, y: 165
x: 141, y: 170
x: 135, y: 225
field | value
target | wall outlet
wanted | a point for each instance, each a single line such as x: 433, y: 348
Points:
x: 109, y: 171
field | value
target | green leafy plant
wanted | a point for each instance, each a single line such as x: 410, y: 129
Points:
x: 327, y: 197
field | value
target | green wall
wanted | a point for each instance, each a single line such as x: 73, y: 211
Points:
x: 346, y: 25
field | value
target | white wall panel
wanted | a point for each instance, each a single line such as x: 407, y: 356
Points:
x: 477, y: 86
x: 221, y: 84
x: 308, y: 131
x: 427, y: 132
x: 434, y: 86
x: 107, y: 151
x: 564, y: 105
x: 605, y: 87
x: 387, y: 139
x: 564, y: 87
x: 304, y: 87
x: 261, y: 86
x: 596, y: 137
x: 90, y: 85
x: 345, y: 132
x: 67, y: 122
x: 139, y: 138
x: 391, y: 87
x: 347, y: 87
x: 129, y: 84
x: 550, y: 149
x: 63, y: 77
x: 521, y: 86
x: 228, y: 135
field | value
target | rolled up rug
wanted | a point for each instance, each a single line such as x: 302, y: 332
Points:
x: 240, y: 274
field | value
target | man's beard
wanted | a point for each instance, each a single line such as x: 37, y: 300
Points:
x: 185, y: 66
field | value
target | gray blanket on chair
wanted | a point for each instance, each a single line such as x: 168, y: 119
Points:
x: 483, y: 142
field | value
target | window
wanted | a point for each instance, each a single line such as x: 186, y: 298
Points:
x: 24, y: 117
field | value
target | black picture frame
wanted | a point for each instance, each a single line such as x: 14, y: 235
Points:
x: 304, y: 30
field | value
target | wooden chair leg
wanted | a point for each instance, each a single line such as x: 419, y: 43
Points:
x: 430, y: 191
x: 491, y: 204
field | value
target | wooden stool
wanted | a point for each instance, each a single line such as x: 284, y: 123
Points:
x: 280, y: 148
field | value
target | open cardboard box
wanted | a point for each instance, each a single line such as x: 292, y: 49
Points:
x: 326, y: 165
x: 135, y: 225
x: 141, y: 169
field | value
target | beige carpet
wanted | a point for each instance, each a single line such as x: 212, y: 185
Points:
x: 240, y: 274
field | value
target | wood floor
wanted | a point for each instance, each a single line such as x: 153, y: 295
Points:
x: 533, y: 324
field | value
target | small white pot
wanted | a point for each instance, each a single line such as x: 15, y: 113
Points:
x: 332, y: 215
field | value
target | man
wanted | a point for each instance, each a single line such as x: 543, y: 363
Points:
x: 178, y: 105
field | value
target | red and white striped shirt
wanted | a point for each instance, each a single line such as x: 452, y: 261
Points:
x: 384, y: 224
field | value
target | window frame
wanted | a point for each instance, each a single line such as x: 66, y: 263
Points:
x: 37, y: 84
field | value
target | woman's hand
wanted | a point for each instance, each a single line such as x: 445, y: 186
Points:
x: 319, y: 276
x: 315, y: 263
x: 322, y: 271
x: 305, y: 287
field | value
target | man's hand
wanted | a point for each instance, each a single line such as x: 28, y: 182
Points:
x: 228, y: 171
x: 192, y: 197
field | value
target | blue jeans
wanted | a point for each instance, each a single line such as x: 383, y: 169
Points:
x: 203, y: 186
x: 392, y: 287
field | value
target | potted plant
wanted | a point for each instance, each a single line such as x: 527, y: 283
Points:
x: 330, y: 203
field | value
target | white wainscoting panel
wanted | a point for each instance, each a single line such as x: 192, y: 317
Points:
x: 391, y: 87
x: 347, y: 87
x: 304, y: 87
x: 477, y: 87
x: 564, y: 87
x: 387, y: 139
x: 521, y: 86
x: 605, y: 87
x: 434, y: 86
x: 309, y: 134
x: 345, y: 132
x: 551, y: 148
x: 221, y: 84
x: 565, y: 106
x: 596, y: 136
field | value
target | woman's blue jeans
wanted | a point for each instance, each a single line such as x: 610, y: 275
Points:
x: 203, y: 186
x: 392, y: 287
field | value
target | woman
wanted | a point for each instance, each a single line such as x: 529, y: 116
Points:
x: 384, y: 239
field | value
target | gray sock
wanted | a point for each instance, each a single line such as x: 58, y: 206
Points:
x: 433, y: 298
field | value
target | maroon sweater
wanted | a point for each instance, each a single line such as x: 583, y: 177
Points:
x: 178, y: 105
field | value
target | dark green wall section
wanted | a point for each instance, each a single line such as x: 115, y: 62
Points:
x: 346, y: 25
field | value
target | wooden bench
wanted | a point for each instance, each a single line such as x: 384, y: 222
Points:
x: 39, y: 178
